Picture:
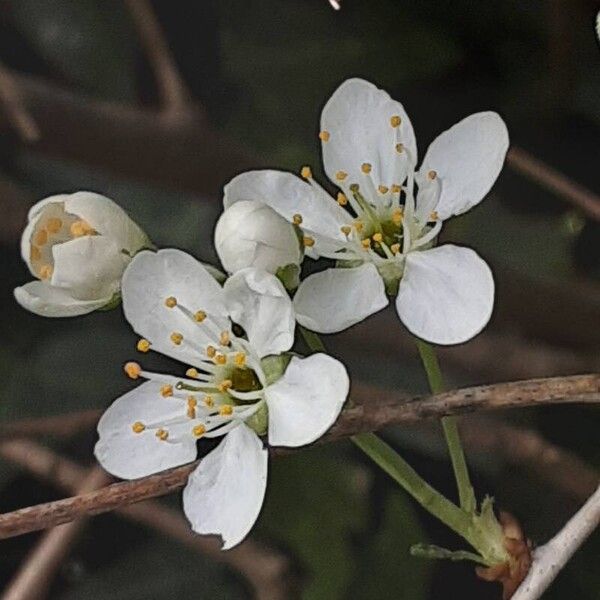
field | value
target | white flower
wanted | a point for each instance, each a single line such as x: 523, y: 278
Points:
x: 230, y: 389
x: 378, y: 231
x: 77, y: 246
x: 251, y: 234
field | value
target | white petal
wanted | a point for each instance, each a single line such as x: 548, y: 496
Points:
x: 335, y: 299
x: 90, y: 266
x: 307, y: 400
x: 467, y: 159
x: 357, y: 118
x: 252, y: 234
x: 446, y: 295
x: 258, y: 302
x: 108, y: 219
x: 289, y: 195
x: 225, y: 493
x: 41, y: 298
x: 153, y: 277
x: 130, y: 455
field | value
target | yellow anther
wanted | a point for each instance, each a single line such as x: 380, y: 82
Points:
x: 81, y: 228
x: 433, y: 215
x: 297, y: 219
x: 341, y: 199
x: 192, y: 373
x: 324, y: 136
x: 171, y: 302
x: 138, y: 427
x: 383, y: 189
x: 346, y: 229
x: 143, y: 345
x: 341, y: 175
x: 46, y: 271
x: 199, y: 316
x: 224, y: 338
x: 192, y: 402
x: 306, y: 173
x: 220, y: 359
x: 396, y: 189
x: 176, y: 338
x: 395, y: 248
x: 358, y: 225
x: 378, y: 237
x: 354, y: 187
x: 35, y: 253
x: 308, y: 241
x: 190, y: 412
x: 225, y: 385
x: 240, y: 359
x: 226, y: 410
x: 199, y: 430
x: 432, y: 175
x: 162, y: 434
x: 366, y: 243
x: 210, y: 351
x: 399, y: 148
x: 132, y: 369
x: 53, y: 225
x: 395, y: 121
x: 166, y: 391
x: 397, y: 217
x: 366, y: 168
x: 209, y: 401
x: 40, y: 237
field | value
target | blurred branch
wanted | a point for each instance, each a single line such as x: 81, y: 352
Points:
x: 549, y: 559
x: 554, y: 181
x: 175, y: 98
x: 34, y: 577
x: 15, y: 109
x: 534, y: 392
x: 266, y: 570
x: 57, y: 426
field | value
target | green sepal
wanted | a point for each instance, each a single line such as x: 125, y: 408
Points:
x: 113, y: 303
x: 259, y: 421
x: 437, y: 553
x: 289, y: 276
x: 274, y: 366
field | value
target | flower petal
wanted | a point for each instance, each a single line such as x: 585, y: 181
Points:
x: 258, y: 302
x: 108, y: 219
x: 467, y: 158
x: 358, y: 118
x: 153, y: 277
x: 90, y: 266
x: 336, y: 299
x: 252, y: 234
x: 446, y: 295
x: 130, y: 455
x: 289, y: 195
x: 41, y: 298
x: 307, y: 400
x: 225, y: 493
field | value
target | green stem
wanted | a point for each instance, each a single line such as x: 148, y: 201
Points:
x: 450, y: 426
x: 313, y: 341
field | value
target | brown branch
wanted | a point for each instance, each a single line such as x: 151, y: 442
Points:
x: 55, y: 426
x: 17, y: 113
x: 32, y: 581
x: 534, y: 392
x: 554, y: 181
x: 265, y: 570
x: 173, y: 92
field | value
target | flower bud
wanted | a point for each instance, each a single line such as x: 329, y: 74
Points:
x: 251, y: 234
x: 77, y: 246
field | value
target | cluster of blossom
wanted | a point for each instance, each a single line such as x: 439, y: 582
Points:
x: 236, y: 336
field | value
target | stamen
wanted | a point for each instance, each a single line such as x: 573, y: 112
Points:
x: 308, y: 241
x: 324, y: 136
x: 54, y: 224
x: 133, y: 370
x: 220, y: 359
x: 433, y: 216
x: 162, y: 434
x: 40, y: 238
x: 341, y: 175
x: 225, y: 385
x: 171, y: 302
x: 226, y: 410
x: 81, y: 228
x: 346, y: 230
x: 397, y: 216
x: 297, y: 219
x: 138, y: 427
x: 395, y: 121
x: 382, y: 189
x: 143, y: 345
x: 432, y: 175
x: 358, y: 225
x: 199, y: 430
x: 396, y: 189
x: 224, y: 338
x: 192, y: 373
x: 240, y: 359
x: 378, y: 237
x: 35, y: 253
x: 209, y: 401
x: 199, y: 316
x: 191, y: 407
x: 341, y: 199
x: 166, y: 391
x: 366, y: 168
x: 306, y: 173
x: 46, y: 271
x: 211, y: 351
x: 176, y: 338
x: 399, y: 148
x: 395, y: 248
x: 366, y: 243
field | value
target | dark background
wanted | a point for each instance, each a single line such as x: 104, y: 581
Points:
x: 259, y: 73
